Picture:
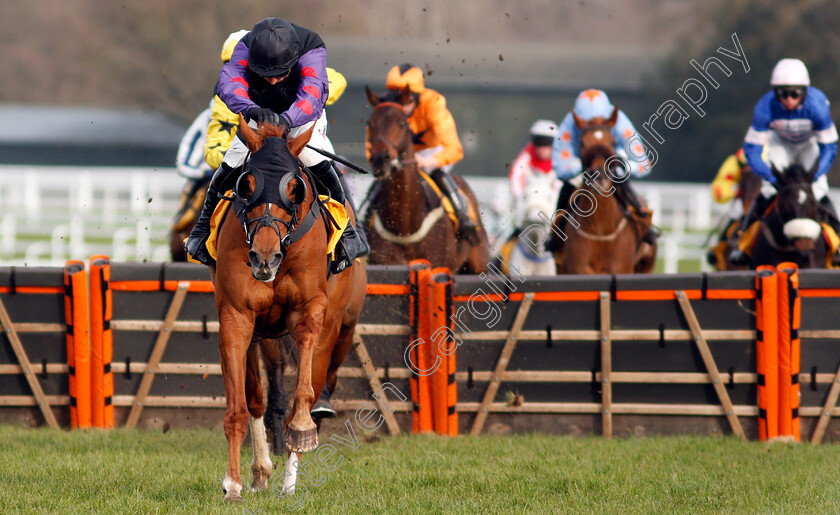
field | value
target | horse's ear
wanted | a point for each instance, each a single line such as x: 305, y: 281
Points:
x: 580, y: 123
x: 252, y: 139
x: 776, y: 173
x: 405, y: 95
x: 297, y: 144
x: 371, y: 96
x: 613, y: 118
x: 813, y: 171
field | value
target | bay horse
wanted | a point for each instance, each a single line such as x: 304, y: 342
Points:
x: 608, y: 239
x: 270, y: 278
x: 790, y: 229
x: 749, y: 187
x: 403, y: 223
x: 192, y: 197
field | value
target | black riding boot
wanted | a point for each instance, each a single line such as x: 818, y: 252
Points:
x: 563, y: 203
x: 322, y: 407
x: 631, y: 198
x: 832, y: 220
x: 360, y: 231
x: 351, y: 245
x: 738, y: 257
x: 466, y: 228
x: 201, y: 231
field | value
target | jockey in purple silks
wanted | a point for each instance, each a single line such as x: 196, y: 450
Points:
x: 278, y: 74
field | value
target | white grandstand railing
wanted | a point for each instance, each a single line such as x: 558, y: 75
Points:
x: 52, y: 214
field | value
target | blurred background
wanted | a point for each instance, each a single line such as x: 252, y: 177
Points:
x: 115, y: 84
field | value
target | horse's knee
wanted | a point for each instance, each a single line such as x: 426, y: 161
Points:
x: 256, y: 406
x: 236, y: 421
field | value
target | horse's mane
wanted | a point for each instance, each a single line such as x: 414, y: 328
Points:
x: 254, y: 138
x: 797, y: 171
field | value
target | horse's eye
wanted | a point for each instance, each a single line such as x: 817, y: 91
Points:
x: 245, y: 185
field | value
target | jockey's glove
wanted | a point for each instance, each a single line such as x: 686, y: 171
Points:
x: 265, y: 115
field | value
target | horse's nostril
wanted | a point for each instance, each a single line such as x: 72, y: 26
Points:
x: 276, y: 260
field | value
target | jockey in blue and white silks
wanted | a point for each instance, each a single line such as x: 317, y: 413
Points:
x: 794, y: 121
x: 591, y: 104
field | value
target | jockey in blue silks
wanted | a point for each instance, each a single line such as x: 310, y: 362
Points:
x: 591, y: 104
x: 794, y: 121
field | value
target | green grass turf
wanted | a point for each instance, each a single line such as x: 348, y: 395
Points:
x: 47, y: 471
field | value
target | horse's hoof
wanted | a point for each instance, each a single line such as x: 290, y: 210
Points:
x: 233, y: 491
x: 301, y: 441
x: 260, y: 481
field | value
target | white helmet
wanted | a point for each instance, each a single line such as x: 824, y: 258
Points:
x: 545, y: 128
x: 790, y: 72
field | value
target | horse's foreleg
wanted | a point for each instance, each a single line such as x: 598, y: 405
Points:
x: 261, y: 466
x: 274, y: 417
x: 343, y: 344
x: 235, y: 331
x: 305, y: 327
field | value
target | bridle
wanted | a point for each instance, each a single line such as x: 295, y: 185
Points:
x: 295, y: 228
x: 600, y: 148
x: 396, y: 163
x: 767, y: 231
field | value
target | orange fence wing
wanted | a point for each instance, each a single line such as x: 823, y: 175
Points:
x: 78, y: 350
x: 767, y: 353
x: 101, y: 343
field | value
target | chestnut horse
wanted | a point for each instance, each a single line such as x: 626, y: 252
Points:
x: 268, y: 281
x: 790, y: 230
x: 403, y: 224
x: 602, y: 237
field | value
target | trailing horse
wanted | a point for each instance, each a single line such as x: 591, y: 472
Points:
x: 192, y: 197
x: 525, y: 249
x: 718, y: 256
x: 407, y: 219
x: 603, y: 234
x: 790, y: 230
x: 271, y: 279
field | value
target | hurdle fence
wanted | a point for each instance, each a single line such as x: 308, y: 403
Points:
x: 122, y: 343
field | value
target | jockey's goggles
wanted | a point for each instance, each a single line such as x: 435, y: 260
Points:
x: 280, y: 77
x: 788, y: 92
x: 542, y: 141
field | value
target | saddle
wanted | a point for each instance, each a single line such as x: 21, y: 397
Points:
x: 334, y: 215
x: 434, y: 197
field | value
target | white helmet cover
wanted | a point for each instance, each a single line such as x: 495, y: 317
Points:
x: 544, y: 128
x: 790, y: 72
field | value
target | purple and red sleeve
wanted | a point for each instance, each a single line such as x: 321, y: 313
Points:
x: 313, y: 88
x: 233, y: 81
x: 312, y: 93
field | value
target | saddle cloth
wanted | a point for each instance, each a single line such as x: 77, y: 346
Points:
x: 338, y: 212
x: 448, y: 208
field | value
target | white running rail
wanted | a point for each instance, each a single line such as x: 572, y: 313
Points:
x: 52, y: 214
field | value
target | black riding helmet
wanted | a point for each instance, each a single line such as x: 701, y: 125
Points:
x: 274, y: 47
